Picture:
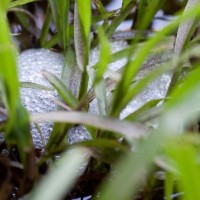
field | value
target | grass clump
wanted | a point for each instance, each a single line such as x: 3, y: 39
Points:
x: 126, y: 158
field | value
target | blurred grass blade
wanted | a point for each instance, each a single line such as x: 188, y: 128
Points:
x: 129, y: 130
x: 133, y: 66
x: 125, y: 3
x: 100, y: 68
x: 184, y: 105
x: 184, y: 34
x: 82, y: 25
x: 146, y: 11
x: 78, y: 39
x: 100, y: 93
x: 17, y: 131
x: 105, y: 17
x: 61, y: 176
x: 138, y: 86
x: 64, y: 92
x: 185, y: 158
x: 143, y: 109
x: 186, y: 29
x: 166, y: 46
x: 84, y: 12
x: 169, y: 185
x: 19, y: 3
x: 60, y: 11
x: 58, y: 136
x: 53, y: 41
x: 71, y: 74
x: 120, y: 18
x: 131, y: 169
x: 105, y: 149
x: 81, y: 43
x: 104, y: 57
x: 142, y: 12
x: 104, y: 143
x: 102, y: 11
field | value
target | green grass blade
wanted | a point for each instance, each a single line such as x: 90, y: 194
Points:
x: 184, y: 34
x: 119, y: 19
x: 134, y: 65
x: 17, y: 131
x: 125, y: 3
x: 83, y: 17
x: 19, y: 3
x: 185, y: 158
x: 138, y: 86
x: 34, y: 86
x: 60, y: 11
x: 105, y: 17
x: 81, y: 43
x: 64, y: 92
x: 102, y: 11
x: 53, y: 41
x: 58, y: 137
x: 169, y: 185
x: 135, y: 115
x: 129, y: 130
x: 186, y: 29
x: 104, y: 57
x: 131, y: 169
x: 146, y: 11
x: 100, y: 93
x: 184, y: 105
x: 61, y: 176
x: 71, y: 74
x: 78, y: 39
x: 45, y: 27
x: 84, y: 11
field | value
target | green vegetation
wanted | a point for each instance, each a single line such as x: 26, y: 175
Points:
x: 161, y: 162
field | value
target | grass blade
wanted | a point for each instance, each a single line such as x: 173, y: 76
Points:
x: 81, y: 43
x: 16, y: 133
x: 61, y: 176
x: 185, y: 100
x: 45, y: 27
x: 100, y: 93
x: 104, y: 58
x: 64, y: 92
x: 84, y: 12
x: 78, y: 39
x: 185, y: 157
x: 19, y: 3
x: 34, y: 86
x: 131, y: 169
x: 135, y: 115
x: 119, y: 19
x: 133, y: 66
x: 184, y: 34
x: 60, y: 11
x: 128, y: 129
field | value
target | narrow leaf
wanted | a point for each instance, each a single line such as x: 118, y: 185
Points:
x: 64, y: 92
x: 61, y: 176
x: 19, y: 3
x: 34, y: 86
x: 130, y: 130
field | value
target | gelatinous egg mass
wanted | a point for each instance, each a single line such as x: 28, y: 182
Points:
x: 32, y: 62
